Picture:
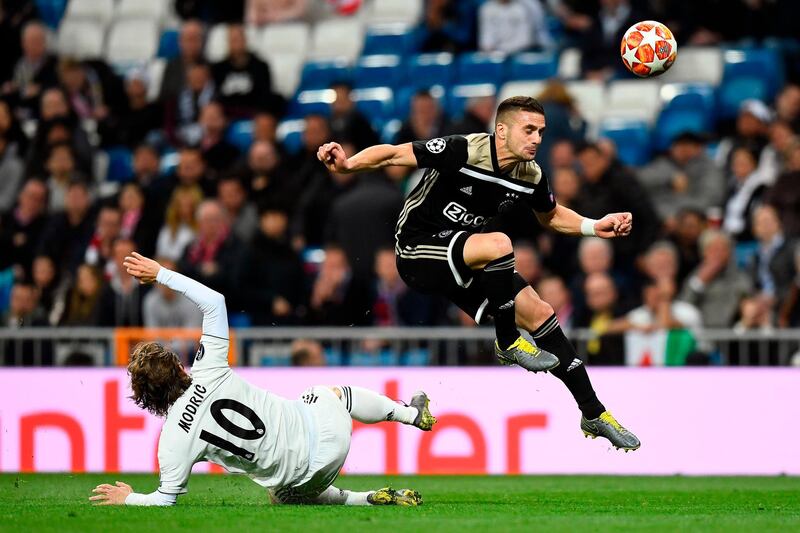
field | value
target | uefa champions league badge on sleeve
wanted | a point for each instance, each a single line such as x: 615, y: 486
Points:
x: 436, y: 146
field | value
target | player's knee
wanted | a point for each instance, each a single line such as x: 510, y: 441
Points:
x: 501, y: 244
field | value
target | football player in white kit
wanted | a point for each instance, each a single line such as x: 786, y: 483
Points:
x: 293, y: 448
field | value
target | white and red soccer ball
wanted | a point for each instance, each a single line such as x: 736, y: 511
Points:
x: 648, y: 48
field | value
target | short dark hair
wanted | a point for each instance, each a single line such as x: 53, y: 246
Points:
x: 157, y: 377
x: 519, y: 103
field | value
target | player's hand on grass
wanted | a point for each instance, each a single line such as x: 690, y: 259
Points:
x: 333, y: 157
x: 106, y: 494
x: 614, y: 225
x: 142, y: 268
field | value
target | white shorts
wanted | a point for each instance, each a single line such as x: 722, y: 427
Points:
x: 331, y: 429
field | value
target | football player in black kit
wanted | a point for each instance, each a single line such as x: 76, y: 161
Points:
x: 441, y: 248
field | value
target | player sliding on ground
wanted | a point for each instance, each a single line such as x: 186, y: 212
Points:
x: 293, y: 448
x: 443, y: 244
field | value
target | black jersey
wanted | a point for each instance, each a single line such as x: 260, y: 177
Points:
x: 463, y: 188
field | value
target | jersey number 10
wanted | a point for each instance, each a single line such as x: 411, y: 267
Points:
x: 257, y: 432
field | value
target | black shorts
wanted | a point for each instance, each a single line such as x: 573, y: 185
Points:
x: 434, y: 264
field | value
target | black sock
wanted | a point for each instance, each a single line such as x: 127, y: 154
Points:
x: 499, y: 280
x: 571, y: 371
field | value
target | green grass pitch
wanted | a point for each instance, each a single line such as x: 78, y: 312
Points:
x: 58, y: 502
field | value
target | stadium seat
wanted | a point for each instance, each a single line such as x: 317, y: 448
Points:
x: 168, y: 44
x: 590, y: 99
x: 100, y: 11
x: 459, y: 95
x: 695, y: 96
x: 569, y: 64
x: 147, y: 9
x: 132, y: 41
x: 520, y: 88
x: 404, y: 95
x: 532, y: 66
x: 389, y: 39
x: 286, y: 70
x: 290, y: 134
x: 407, y: 12
x: 81, y: 39
x: 427, y: 70
x: 51, y: 11
x: 632, y: 138
x: 240, y: 134
x: 766, y: 64
x: 480, y: 67
x: 390, y: 130
x: 280, y: 39
x: 676, y: 120
x: 696, y: 64
x: 337, y: 38
x: 733, y: 92
x: 378, y: 71
x: 315, y: 101
x: 377, y: 103
x: 217, y: 41
x: 634, y: 99
x: 320, y: 74
x: 155, y: 73
x: 119, y: 164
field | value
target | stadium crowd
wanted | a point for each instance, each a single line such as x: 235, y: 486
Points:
x: 716, y: 219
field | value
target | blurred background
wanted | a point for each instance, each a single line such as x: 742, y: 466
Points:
x: 187, y: 130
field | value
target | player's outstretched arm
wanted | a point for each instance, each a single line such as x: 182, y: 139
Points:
x: 122, y: 494
x: 210, y: 302
x: 381, y: 155
x: 564, y: 220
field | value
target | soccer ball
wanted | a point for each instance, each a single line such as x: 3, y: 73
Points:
x: 648, y: 48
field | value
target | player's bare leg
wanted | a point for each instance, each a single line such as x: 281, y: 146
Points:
x: 494, y: 254
x: 370, y: 407
x: 536, y: 316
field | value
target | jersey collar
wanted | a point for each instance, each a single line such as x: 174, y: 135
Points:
x: 493, y: 150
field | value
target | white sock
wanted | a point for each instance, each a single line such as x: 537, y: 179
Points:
x: 370, y: 407
x: 334, y: 496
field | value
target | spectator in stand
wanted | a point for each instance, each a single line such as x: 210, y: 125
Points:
x: 610, y: 189
x: 22, y: 313
x: 219, y: 154
x: 10, y: 130
x: 363, y: 219
x: 596, y: 256
x: 190, y: 51
x: 180, y: 224
x: 244, y: 83
x: 165, y: 308
x: 54, y: 110
x: 214, y: 258
x: 146, y: 166
x: 787, y: 106
x: 13, y: 19
x: 689, y: 225
x: 527, y: 262
x: 562, y: 155
x: 52, y: 289
x: 660, y: 262
x: 511, y: 26
x: 273, y: 273
x: 564, y: 122
x: 478, y: 115
x: 306, y: 352
x: 120, y: 302
x: 337, y: 298
x: 265, y: 127
x: 83, y: 89
x: 748, y: 187
x: 22, y: 227
x: 61, y: 171
x: 137, y: 120
x: 394, y: 303
x: 448, y: 26
x: 601, y: 317
x: 685, y: 177
x: 84, y: 298
x: 34, y: 72
x: 265, y: 176
x: 11, y: 173
x: 100, y: 251
x: 772, y: 269
x: 661, y: 310
x: 772, y: 161
x: 139, y: 223
x: 785, y: 194
x: 752, y: 132
x: 347, y: 122
x: 68, y: 233
x: 716, y: 286
x: 191, y: 170
x: 553, y: 291
x: 559, y: 252
x: 599, y: 43
x: 263, y: 12
x: 789, y: 312
x: 242, y: 214
x: 183, y: 111
x: 424, y: 121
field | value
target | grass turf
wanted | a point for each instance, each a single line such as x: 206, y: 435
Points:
x: 57, y: 502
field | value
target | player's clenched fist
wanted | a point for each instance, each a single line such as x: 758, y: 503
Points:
x: 142, y: 268
x: 333, y: 157
x: 614, y: 225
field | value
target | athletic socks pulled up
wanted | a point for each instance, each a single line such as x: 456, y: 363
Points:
x: 499, y: 280
x: 370, y: 407
x: 571, y: 371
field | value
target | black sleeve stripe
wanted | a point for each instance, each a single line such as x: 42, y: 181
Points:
x: 210, y: 335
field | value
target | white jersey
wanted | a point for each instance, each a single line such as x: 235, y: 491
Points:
x: 225, y: 420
